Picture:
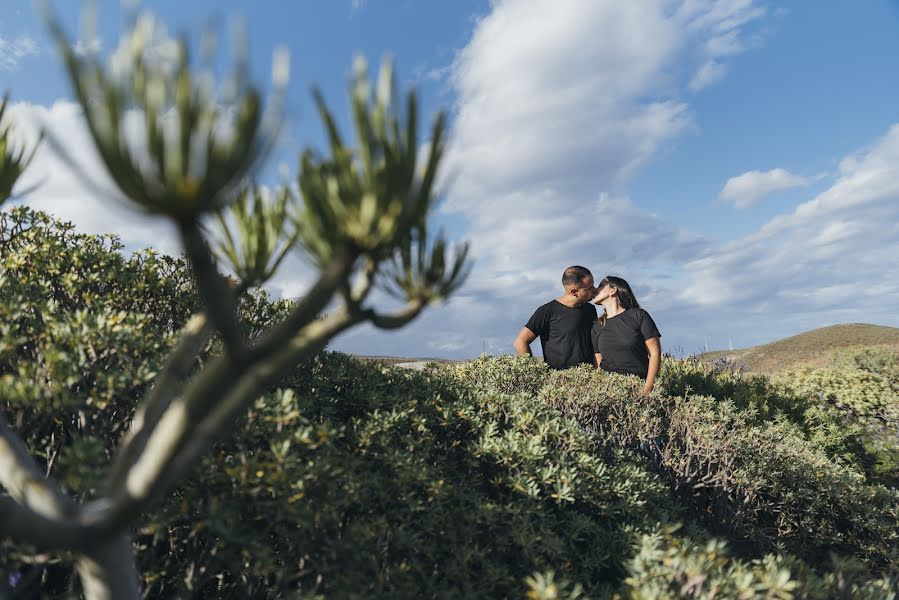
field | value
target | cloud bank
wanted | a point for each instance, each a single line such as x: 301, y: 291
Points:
x: 751, y: 187
x: 556, y: 112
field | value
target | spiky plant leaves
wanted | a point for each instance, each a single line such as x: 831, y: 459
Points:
x: 255, y: 234
x: 197, y: 146
x: 14, y: 159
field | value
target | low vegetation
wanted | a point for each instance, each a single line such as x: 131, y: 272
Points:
x: 492, y: 478
x: 817, y: 348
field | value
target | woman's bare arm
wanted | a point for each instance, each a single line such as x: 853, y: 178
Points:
x: 654, y: 347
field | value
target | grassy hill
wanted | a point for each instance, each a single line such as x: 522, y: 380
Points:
x: 812, y: 348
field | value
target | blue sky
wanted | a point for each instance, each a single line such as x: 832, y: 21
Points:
x: 735, y: 160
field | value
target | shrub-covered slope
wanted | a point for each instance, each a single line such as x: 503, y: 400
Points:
x: 491, y: 479
x: 813, y: 348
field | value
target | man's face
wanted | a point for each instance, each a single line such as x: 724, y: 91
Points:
x: 586, y: 291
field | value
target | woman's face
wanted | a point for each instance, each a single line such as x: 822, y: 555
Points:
x: 603, y: 291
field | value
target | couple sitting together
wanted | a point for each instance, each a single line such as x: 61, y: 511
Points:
x: 624, y: 339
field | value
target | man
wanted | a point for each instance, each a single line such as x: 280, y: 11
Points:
x: 564, y: 324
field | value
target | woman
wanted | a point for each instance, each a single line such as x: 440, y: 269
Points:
x: 625, y: 338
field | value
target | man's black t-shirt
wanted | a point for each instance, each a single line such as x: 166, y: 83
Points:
x: 564, y: 333
x: 622, y: 342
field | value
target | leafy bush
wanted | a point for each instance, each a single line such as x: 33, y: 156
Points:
x: 494, y: 478
x: 800, y: 397
x: 861, y: 392
x: 669, y: 566
x: 504, y: 374
x: 760, y: 482
x: 363, y: 480
x: 351, y: 479
x: 748, y: 391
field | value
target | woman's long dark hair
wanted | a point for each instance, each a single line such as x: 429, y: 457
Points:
x: 626, y: 297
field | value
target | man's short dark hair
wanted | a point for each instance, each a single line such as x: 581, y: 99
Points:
x: 574, y: 276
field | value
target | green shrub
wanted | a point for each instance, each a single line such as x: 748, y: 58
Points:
x: 760, y: 482
x: 353, y: 479
x: 752, y: 392
x: 668, y: 566
x: 861, y: 393
x: 494, y: 478
x: 504, y: 374
x: 364, y: 480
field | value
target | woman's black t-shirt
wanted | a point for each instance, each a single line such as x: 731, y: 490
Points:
x: 622, y: 342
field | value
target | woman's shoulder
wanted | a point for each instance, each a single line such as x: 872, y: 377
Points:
x: 640, y: 316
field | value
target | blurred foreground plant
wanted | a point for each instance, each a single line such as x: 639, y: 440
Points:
x: 361, y: 216
x: 13, y: 158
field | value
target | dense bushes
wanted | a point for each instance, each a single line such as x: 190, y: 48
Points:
x: 760, y: 482
x: 493, y: 478
x: 365, y: 480
x: 669, y: 566
x: 751, y: 462
x: 862, y: 389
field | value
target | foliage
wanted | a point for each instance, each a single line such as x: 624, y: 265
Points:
x: 358, y: 479
x: 506, y: 374
x: 761, y: 482
x: 493, y: 478
x: 840, y: 434
x: 748, y: 391
x: 362, y: 480
x: 13, y: 158
x: 861, y: 389
x: 668, y: 566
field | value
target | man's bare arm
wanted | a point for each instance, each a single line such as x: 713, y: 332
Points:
x: 523, y: 342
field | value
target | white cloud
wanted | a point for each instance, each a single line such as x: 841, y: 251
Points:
x: 831, y: 260
x: 749, y: 188
x: 721, y: 27
x: 556, y: 110
x: 556, y: 106
x: 13, y: 51
x: 709, y: 73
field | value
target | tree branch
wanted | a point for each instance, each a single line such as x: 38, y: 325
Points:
x: 362, y: 286
x: 311, y: 340
x: 180, y: 438
x: 23, y: 524
x: 214, y: 382
x: 108, y: 571
x: 315, y: 300
x: 217, y: 295
x: 25, y: 481
x: 396, y: 320
x: 177, y: 368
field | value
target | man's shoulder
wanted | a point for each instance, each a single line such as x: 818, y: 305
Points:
x: 549, y: 306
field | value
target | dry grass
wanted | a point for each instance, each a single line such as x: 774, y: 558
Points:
x: 813, y: 348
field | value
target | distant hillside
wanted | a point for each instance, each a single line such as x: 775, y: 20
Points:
x: 810, y: 348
